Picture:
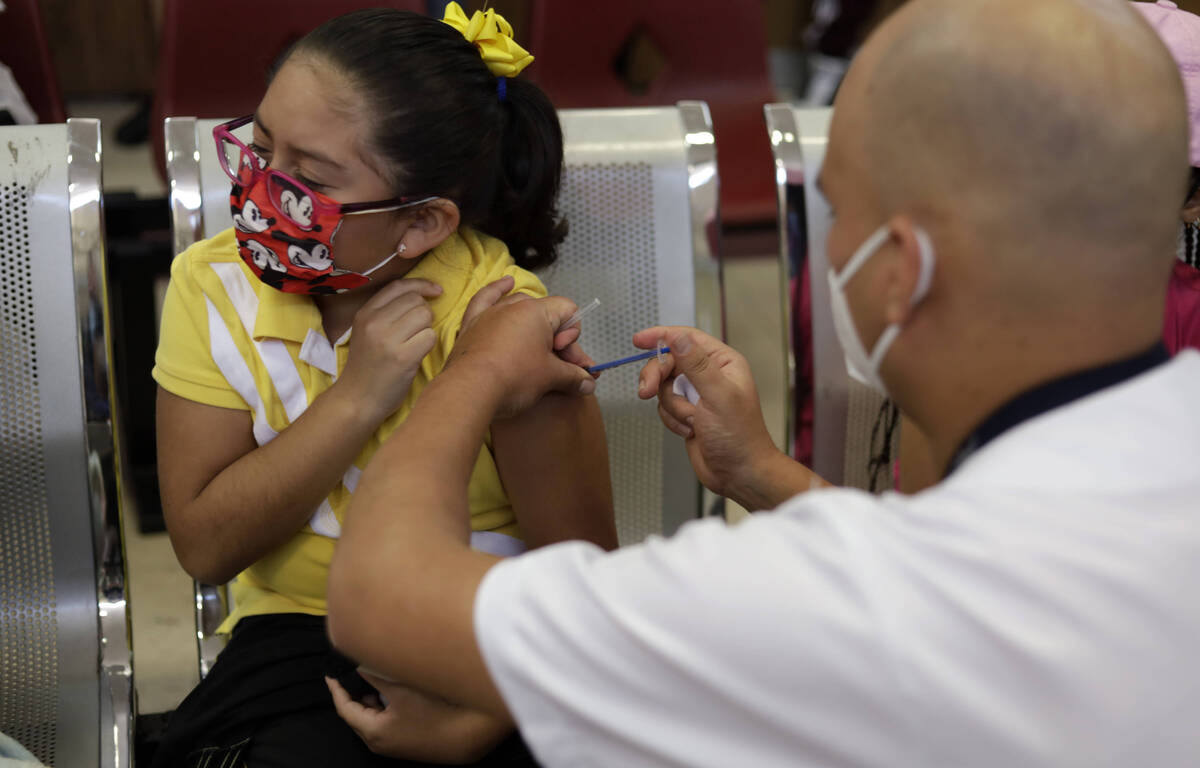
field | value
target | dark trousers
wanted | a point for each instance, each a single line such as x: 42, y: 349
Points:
x: 264, y: 704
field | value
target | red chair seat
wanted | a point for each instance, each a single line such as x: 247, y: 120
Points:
x: 711, y: 50
x: 215, y: 54
x: 24, y: 50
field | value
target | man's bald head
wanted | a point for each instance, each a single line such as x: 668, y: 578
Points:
x: 1040, y: 125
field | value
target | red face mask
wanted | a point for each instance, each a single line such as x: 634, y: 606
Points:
x: 285, y: 231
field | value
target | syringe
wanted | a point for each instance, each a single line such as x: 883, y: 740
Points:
x: 662, y: 350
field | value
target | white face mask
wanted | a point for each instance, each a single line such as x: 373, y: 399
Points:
x: 859, y: 364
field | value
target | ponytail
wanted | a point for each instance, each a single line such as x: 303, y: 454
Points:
x: 523, y: 210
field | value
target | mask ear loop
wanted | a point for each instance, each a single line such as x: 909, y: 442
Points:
x: 864, y: 252
x: 924, y: 281
x: 925, y: 278
x: 381, y: 264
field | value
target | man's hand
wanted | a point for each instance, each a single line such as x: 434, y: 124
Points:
x: 724, y: 430
x: 726, y: 438
x: 497, y: 294
x: 516, y: 351
x: 413, y: 726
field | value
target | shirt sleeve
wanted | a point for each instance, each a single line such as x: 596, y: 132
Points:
x: 183, y: 363
x: 524, y: 281
x: 717, y: 647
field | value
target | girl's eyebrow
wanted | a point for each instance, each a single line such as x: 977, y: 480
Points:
x: 309, y: 153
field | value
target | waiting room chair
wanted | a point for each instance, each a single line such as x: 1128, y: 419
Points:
x: 638, y: 187
x: 214, y: 55
x: 844, y: 409
x: 638, y: 53
x: 66, y: 677
x: 24, y: 50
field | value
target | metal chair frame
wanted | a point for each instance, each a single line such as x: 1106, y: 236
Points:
x: 79, y: 445
x: 843, y: 407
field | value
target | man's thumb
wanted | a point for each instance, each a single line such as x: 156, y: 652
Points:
x: 693, y: 359
x: 570, y: 379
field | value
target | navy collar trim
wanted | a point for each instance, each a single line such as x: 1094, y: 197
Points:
x: 1055, y: 394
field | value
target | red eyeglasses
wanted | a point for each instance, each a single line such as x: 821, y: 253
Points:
x: 295, y: 201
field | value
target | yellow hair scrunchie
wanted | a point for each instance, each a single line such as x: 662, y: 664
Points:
x: 492, y: 35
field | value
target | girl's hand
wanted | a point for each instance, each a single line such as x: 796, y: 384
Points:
x: 413, y: 726
x: 392, y: 334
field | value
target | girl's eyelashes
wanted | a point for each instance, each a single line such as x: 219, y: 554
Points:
x: 316, y: 186
x: 264, y: 154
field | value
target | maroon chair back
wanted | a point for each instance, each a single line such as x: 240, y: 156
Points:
x: 215, y: 54
x: 714, y: 50
x: 24, y: 50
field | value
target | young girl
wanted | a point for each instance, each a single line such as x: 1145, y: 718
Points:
x: 396, y: 163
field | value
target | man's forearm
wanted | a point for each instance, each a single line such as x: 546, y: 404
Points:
x: 402, y: 583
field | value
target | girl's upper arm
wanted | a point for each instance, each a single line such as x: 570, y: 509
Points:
x: 195, y: 443
x: 553, y: 461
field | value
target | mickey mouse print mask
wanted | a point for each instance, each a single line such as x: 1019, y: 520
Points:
x: 285, y: 231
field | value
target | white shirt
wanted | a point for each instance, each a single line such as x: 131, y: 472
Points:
x: 1039, y: 607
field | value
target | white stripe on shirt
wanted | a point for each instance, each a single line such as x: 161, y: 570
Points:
x: 233, y: 367
x: 273, y: 352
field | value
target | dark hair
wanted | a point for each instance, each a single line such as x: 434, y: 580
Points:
x: 883, y: 436
x: 441, y: 124
x: 1191, y: 249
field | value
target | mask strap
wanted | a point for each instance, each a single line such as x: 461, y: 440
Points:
x: 925, y: 278
x: 395, y: 253
x: 883, y: 345
x: 864, y: 252
x: 924, y: 281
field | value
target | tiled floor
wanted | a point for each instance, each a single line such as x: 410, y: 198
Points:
x: 161, y: 593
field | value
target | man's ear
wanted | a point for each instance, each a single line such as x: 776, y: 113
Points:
x: 428, y: 226
x: 904, y: 270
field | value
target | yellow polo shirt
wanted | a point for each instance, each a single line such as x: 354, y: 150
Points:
x: 229, y: 340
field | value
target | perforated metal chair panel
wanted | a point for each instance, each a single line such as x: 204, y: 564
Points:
x: 639, y: 187
x: 631, y: 244
x: 28, y: 620
x: 610, y: 213
x: 50, y: 649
